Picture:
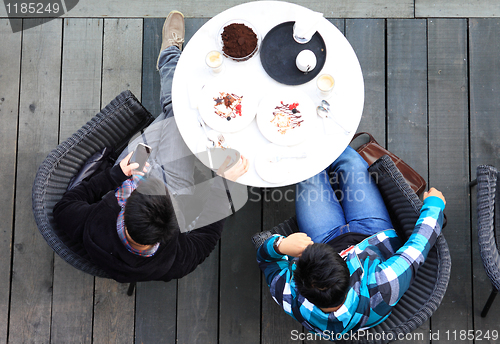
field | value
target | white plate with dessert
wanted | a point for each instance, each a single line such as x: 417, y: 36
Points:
x: 286, y: 117
x: 227, y: 106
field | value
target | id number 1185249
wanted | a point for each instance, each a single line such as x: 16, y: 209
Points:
x: 32, y: 8
x: 471, y: 335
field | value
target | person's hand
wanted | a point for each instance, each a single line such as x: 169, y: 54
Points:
x: 239, y: 169
x: 130, y: 169
x: 294, y: 244
x: 434, y: 192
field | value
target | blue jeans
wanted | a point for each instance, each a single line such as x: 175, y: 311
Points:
x: 342, y: 198
x: 166, y: 65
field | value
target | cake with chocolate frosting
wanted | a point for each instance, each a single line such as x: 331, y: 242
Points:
x: 239, y: 41
x: 286, y: 117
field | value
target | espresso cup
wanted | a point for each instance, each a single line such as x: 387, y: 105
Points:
x: 325, y: 84
x: 306, y: 61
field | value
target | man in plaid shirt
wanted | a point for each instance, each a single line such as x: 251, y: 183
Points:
x: 350, y: 268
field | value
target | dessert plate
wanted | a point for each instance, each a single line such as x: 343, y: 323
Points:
x: 279, y: 51
x: 286, y: 117
x: 227, y: 106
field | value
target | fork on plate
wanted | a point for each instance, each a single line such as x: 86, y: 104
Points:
x: 212, y: 135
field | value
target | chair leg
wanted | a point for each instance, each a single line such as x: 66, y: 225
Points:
x: 131, y: 288
x: 473, y: 183
x: 487, y: 306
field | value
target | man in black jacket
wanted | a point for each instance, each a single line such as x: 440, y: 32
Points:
x: 129, y: 225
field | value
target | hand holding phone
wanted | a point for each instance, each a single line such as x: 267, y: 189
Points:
x: 141, y: 155
x: 132, y: 165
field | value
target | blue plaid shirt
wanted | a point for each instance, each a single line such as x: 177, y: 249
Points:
x: 381, y: 271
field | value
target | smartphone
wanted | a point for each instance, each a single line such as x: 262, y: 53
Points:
x: 141, y: 155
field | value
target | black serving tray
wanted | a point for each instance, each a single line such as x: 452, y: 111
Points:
x: 279, y: 51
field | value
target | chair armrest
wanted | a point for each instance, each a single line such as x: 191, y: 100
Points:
x: 401, y: 201
x: 285, y: 228
x: 488, y: 195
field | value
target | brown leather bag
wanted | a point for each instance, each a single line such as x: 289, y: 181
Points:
x: 372, y: 151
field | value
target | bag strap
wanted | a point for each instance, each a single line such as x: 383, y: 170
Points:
x: 372, y: 139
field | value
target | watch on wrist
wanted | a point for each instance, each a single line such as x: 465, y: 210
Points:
x: 277, y: 242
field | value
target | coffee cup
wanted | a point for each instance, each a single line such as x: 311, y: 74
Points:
x: 325, y: 84
x: 215, y: 61
x: 306, y: 61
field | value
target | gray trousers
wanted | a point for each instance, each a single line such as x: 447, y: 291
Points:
x: 171, y: 160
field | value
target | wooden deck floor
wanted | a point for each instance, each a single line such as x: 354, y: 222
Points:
x: 432, y: 97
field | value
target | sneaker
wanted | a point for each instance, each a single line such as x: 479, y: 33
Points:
x: 173, y: 32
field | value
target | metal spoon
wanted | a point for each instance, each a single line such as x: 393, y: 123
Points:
x: 325, y: 104
x: 322, y: 112
x: 325, y: 113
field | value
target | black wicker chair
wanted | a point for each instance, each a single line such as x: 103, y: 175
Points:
x: 488, y: 228
x: 113, y: 127
x: 426, y: 293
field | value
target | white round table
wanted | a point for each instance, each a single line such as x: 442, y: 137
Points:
x: 341, y: 62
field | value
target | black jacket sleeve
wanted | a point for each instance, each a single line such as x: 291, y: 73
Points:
x: 72, y: 211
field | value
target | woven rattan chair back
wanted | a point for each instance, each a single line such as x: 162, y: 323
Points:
x: 112, y: 127
x: 488, y: 226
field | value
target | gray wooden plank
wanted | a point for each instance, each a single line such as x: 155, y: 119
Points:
x: 121, y: 70
x: 113, y: 313
x: 456, y: 8
x: 339, y: 24
x: 156, y: 312
x: 9, y: 109
x: 198, y: 303
x: 150, y: 76
x: 277, y: 326
x: 484, y: 100
x: 484, y: 52
x: 407, y: 92
x: 73, y: 305
x: 80, y: 101
x: 449, y: 162
x: 206, y: 9
x: 31, y: 295
x: 156, y: 302
x: 239, y: 314
x: 406, y: 129
x: 122, y: 58
x: 367, y: 38
x: 81, y: 73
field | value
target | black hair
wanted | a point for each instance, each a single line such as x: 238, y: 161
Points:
x: 149, y: 213
x: 322, y: 276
